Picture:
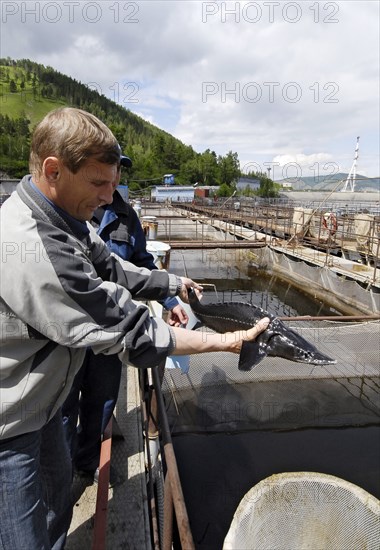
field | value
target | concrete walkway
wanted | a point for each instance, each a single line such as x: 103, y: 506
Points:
x: 127, y: 517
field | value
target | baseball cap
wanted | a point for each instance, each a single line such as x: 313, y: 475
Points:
x: 125, y: 161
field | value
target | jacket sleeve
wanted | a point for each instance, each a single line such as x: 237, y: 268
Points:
x: 62, y: 293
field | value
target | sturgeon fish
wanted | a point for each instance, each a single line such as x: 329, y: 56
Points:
x: 277, y: 340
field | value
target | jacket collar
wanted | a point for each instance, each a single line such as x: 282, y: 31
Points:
x: 45, y: 209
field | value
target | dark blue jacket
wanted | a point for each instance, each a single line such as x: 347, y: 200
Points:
x: 120, y: 228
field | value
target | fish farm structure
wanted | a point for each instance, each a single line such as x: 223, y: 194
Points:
x: 193, y: 438
x: 286, y: 454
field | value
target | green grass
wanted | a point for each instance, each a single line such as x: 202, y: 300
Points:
x: 18, y: 104
x: 24, y: 103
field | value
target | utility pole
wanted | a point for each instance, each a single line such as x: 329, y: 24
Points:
x: 351, y: 178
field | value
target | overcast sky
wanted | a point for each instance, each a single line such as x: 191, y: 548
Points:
x: 284, y: 84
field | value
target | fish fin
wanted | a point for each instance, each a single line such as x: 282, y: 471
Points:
x: 251, y: 354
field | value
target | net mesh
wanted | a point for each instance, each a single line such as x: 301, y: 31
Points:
x: 214, y: 396
x: 354, y: 346
x: 308, y: 511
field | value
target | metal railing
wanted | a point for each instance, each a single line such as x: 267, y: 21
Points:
x: 355, y: 235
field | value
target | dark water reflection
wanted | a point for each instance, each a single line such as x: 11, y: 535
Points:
x: 235, y: 280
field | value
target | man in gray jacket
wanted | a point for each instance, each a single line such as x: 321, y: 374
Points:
x: 62, y: 291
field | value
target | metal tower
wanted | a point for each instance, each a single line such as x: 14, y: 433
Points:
x: 351, y: 178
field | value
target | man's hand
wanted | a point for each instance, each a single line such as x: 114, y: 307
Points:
x: 177, y: 317
x: 188, y: 283
x: 235, y: 339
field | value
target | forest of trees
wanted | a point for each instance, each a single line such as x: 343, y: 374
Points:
x: 14, y: 145
x: 154, y: 152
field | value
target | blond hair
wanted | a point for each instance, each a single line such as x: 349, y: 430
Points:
x: 73, y: 136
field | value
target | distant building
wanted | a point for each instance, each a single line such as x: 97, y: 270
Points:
x: 286, y: 184
x: 205, y: 191
x: 251, y: 183
x: 174, y: 193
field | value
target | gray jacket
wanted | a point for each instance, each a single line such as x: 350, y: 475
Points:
x: 61, y: 291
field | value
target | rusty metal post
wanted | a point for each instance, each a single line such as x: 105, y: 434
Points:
x: 183, y: 523
x: 168, y: 517
x: 376, y: 259
x: 100, y: 522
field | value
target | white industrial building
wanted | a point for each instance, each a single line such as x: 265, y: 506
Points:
x: 172, y: 193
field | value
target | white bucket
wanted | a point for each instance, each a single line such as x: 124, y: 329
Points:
x: 160, y: 252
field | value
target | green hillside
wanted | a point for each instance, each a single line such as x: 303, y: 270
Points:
x: 21, y: 95
x: 15, y: 106
x: 29, y: 90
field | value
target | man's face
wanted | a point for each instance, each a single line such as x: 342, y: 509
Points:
x: 81, y: 193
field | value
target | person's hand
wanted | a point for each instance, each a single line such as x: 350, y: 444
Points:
x: 235, y: 339
x: 178, y: 317
x: 188, y: 283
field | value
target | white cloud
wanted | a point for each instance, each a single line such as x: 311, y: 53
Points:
x: 303, y: 160
x: 146, y: 117
x: 315, y: 164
